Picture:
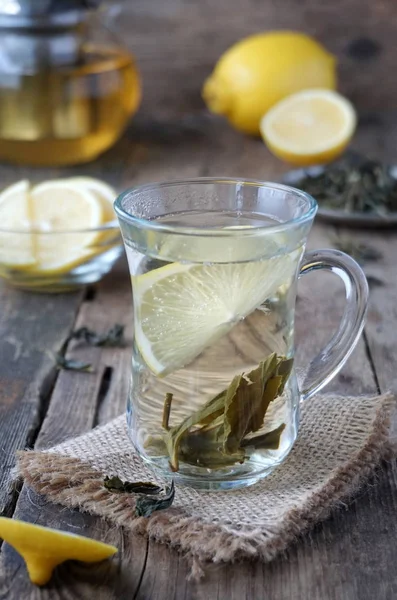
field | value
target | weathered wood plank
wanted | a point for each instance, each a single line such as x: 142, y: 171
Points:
x: 32, y: 326
x: 79, y: 402
x: 177, y: 44
x: 381, y: 329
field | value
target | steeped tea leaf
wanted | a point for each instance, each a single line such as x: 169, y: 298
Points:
x: 213, y: 436
x: 204, y: 448
x: 210, y: 411
x: 115, y: 484
x: 269, y: 440
x: 246, y: 405
x: 146, y: 505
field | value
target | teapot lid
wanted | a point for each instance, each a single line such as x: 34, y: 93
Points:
x: 44, y: 13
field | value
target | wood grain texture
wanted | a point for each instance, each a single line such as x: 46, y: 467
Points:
x: 32, y: 327
x: 79, y: 402
x: 352, y: 555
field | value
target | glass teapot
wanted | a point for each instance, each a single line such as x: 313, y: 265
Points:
x: 67, y: 86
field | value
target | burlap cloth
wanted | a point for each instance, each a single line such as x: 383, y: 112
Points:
x: 341, y: 442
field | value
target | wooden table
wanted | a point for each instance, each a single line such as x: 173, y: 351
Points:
x: 352, y: 555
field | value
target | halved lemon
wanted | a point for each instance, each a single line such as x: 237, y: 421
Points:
x: 313, y: 126
x: 181, y: 309
x: 16, y: 250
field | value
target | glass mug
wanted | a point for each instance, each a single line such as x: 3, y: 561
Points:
x: 214, y: 263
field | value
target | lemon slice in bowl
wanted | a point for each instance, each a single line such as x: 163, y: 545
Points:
x: 313, y: 126
x: 104, y: 192
x: 181, y: 309
x: 106, y: 195
x: 16, y: 249
x: 66, y: 214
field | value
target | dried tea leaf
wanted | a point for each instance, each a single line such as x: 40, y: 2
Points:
x: 115, y: 484
x: 361, y: 252
x: 114, y: 337
x: 354, y: 185
x: 69, y: 364
x: 374, y: 281
x: 146, y: 505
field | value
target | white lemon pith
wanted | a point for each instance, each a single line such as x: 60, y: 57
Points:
x: 309, y: 127
x: 181, y: 309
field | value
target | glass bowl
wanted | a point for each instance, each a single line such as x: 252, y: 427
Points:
x: 58, y: 261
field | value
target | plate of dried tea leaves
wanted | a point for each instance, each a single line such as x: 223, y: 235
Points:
x: 355, y: 191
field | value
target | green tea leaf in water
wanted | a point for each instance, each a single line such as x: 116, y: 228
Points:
x: 146, y: 505
x: 204, y: 448
x: 248, y: 399
x: 209, y: 412
x: 213, y: 436
x: 116, y: 485
x: 167, y: 411
x: 269, y: 440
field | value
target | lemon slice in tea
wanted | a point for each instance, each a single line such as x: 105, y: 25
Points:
x: 181, y: 309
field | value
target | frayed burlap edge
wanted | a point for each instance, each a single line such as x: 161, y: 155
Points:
x: 75, y: 484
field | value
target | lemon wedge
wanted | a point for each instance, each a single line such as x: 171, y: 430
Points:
x: 43, y: 548
x: 16, y: 251
x: 313, y: 126
x: 181, y: 309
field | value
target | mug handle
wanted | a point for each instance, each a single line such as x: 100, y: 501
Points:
x: 332, y: 358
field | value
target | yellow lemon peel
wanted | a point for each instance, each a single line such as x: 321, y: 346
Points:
x: 262, y: 69
x: 43, y: 548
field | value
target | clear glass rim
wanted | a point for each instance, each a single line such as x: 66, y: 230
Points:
x: 152, y: 224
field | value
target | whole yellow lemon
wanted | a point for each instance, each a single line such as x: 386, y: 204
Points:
x: 262, y: 69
